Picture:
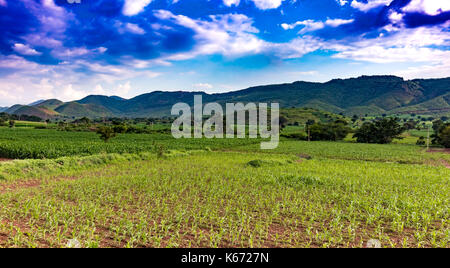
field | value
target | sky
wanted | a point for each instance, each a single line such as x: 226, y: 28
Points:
x: 68, y: 49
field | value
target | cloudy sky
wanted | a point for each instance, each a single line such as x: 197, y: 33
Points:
x: 67, y: 50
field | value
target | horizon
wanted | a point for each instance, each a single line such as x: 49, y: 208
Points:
x: 209, y: 93
x: 50, y: 49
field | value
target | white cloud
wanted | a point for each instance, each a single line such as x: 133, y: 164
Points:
x: 202, y: 86
x: 311, y: 25
x: 267, y: 4
x: 231, y: 2
x: 431, y: 7
x: 134, y: 7
x: 134, y: 28
x: 29, y: 81
x: 370, y: 4
x: 3, y: 3
x: 233, y: 35
x: 261, y: 4
x: 407, y: 45
x: 128, y: 27
x: 25, y: 50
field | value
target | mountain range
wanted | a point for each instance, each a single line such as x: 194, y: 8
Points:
x: 372, y: 95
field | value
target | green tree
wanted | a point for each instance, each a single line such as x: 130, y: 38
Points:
x: 12, y: 123
x: 421, y: 141
x: 382, y: 131
x: 106, y: 133
x: 444, y: 136
x: 334, y: 131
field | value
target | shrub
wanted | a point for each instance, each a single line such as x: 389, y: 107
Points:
x: 335, y: 131
x: 106, y: 133
x: 442, y: 137
x: 382, y: 131
x: 421, y: 141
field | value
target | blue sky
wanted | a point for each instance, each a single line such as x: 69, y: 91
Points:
x: 58, y: 49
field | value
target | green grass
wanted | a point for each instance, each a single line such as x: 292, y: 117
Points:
x: 400, y: 153
x: 220, y: 200
x: 130, y: 193
x: 49, y: 143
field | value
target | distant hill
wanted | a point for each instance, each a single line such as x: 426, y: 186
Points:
x: 372, y: 95
x: 76, y: 110
x: 14, y: 108
x: 36, y: 103
x: 2, y: 109
x: 49, y: 104
x: 36, y: 111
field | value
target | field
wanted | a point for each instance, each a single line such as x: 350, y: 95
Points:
x: 218, y: 193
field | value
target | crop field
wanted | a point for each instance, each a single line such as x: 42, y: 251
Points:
x: 231, y: 194
x: 28, y: 143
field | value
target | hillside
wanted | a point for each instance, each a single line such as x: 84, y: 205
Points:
x: 50, y: 104
x: 36, y: 111
x: 76, y: 110
x: 372, y: 95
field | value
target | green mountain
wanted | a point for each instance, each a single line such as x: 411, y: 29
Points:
x: 49, y: 104
x: 373, y: 95
x: 77, y: 110
x: 41, y: 112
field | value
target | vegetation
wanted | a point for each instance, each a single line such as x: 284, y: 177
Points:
x: 106, y: 133
x: 278, y: 201
x: 382, y: 131
x: 144, y: 188
x: 335, y: 131
x: 373, y: 95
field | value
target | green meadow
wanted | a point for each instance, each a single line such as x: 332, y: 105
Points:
x: 150, y: 190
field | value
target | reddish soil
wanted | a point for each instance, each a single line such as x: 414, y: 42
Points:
x: 4, y: 159
x: 445, y: 151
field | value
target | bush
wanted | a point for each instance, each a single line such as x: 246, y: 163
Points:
x: 382, y: 131
x: 296, y: 136
x: 106, y: 133
x: 421, y: 141
x: 335, y: 131
x: 442, y: 136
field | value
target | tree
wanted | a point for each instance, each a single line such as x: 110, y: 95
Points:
x: 411, y: 124
x: 283, y: 122
x: 441, y: 135
x: 12, y: 123
x: 334, y: 131
x: 382, y: 131
x: 444, y: 136
x: 421, y: 141
x: 2, y: 122
x: 106, y: 133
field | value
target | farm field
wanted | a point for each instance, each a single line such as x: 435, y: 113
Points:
x: 218, y: 193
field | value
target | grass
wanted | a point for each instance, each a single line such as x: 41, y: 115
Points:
x: 155, y: 191
x: 400, y: 153
x: 220, y: 200
x: 28, y: 143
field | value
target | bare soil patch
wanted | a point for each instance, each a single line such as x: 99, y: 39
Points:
x: 5, y: 159
x: 440, y: 150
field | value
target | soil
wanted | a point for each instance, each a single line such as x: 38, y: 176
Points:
x: 445, y: 151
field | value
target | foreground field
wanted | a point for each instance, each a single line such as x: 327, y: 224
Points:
x: 222, y: 199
